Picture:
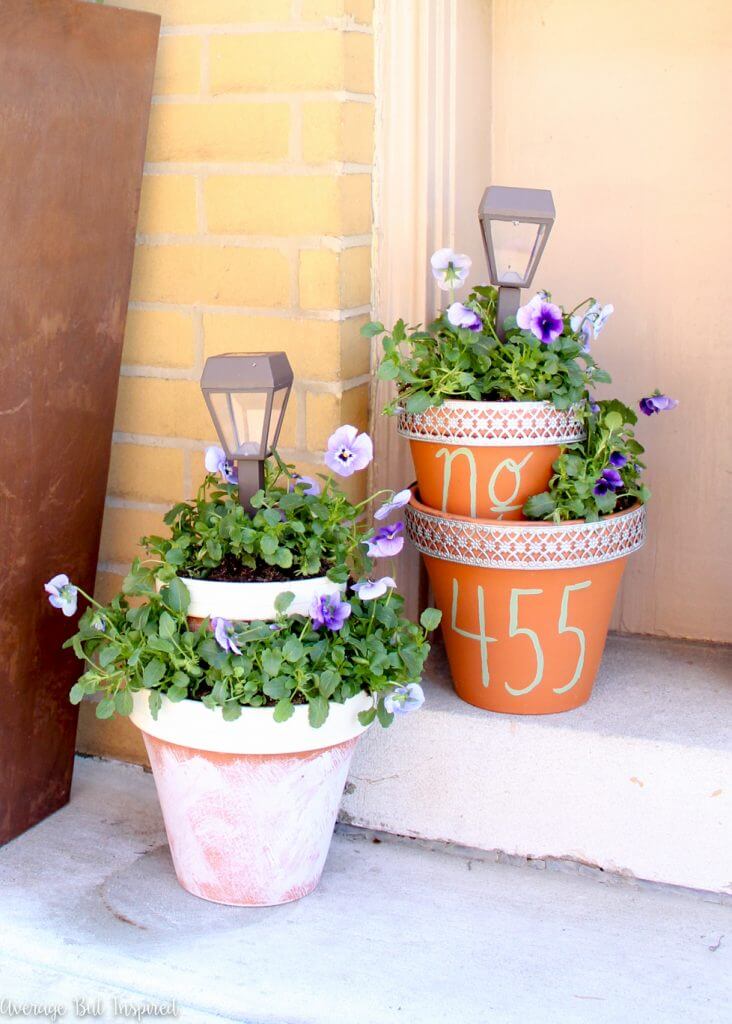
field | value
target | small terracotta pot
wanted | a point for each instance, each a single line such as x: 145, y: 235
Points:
x: 484, y: 459
x: 249, y: 806
x: 525, y: 606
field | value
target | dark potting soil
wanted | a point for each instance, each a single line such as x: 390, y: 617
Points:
x: 230, y: 570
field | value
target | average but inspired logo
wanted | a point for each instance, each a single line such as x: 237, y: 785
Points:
x: 508, y: 466
x: 514, y: 630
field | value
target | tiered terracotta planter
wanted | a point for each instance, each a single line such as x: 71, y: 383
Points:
x: 526, y: 605
x: 249, y: 806
x: 484, y: 459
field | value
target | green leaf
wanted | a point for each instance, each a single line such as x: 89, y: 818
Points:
x: 613, y: 421
x: 283, y: 601
x: 123, y: 702
x: 283, y: 558
x: 318, y: 709
x: 176, y: 694
x: 420, y: 401
x: 231, y: 711
x: 108, y: 654
x: 388, y: 370
x: 385, y: 717
x: 276, y: 688
x: 367, y: 717
x: 76, y: 694
x: 283, y: 710
x: 153, y: 673
x: 293, y: 649
x: 372, y: 328
x: 539, y: 506
x: 271, y: 662
x: 166, y: 626
x: 328, y: 682
x: 105, y: 708
x: 268, y: 544
x: 176, y: 596
x: 430, y: 619
x: 155, y: 702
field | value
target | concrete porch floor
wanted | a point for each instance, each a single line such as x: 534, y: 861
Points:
x: 399, y: 931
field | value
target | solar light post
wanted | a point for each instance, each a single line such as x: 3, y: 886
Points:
x: 515, y: 224
x: 247, y: 397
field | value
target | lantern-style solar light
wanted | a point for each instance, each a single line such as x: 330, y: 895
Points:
x: 515, y: 223
x: 247, y: 397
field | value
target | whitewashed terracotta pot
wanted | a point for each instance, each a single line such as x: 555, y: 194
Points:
x: 249, y: 806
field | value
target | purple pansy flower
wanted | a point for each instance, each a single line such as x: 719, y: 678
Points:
x: 308, y: 484
x: 449, y: 268
x: 62, y: 594
x: 328, y: 610
x: 542, y: 318
x: 609, y: 480
x: 348, y: 451
x: 399, y: 500
x: 583, y: 327
x: 657, y: 403
x: 594, y: 407
x: 461, y: 316
x: 598, y: 315
x: 216, y: 462
x: 99, y: 623
x: 404, y: 699
x: 369, y: 590
x: 387, y: 541
x: 225, y: 635
x: 618, y: 460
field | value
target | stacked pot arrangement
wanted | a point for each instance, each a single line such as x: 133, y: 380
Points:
x: 525, y: 604
x: 252, y: 649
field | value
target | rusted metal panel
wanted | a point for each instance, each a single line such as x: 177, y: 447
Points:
x: 75, y: 88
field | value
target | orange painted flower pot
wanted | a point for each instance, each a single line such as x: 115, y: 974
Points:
x: 525, y: 606
x: 484, y: 459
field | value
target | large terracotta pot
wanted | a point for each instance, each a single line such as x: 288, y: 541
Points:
x: 484, y: 459
x: 249, y: 806
x: 526, y: 606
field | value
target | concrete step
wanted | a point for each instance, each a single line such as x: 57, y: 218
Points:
x: 637, y: 782
x: 399, y: 932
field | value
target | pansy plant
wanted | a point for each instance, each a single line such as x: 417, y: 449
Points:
x: 542, y: 354
x: 354, y: 640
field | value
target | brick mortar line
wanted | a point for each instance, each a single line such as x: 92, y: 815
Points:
x: 334, y: 169
x: 111, y: 501
x: 342, y: 25
x: 290, y: 243
x: 321, y: 315
x: 244, y: 98
x: 194, y: 374
x: 187, y: 444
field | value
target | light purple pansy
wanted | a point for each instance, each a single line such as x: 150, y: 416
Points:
x: 328, y: 610
x: 657, y: 403
x: 399, y: 500
x: 387, y: 541
x: 449, y: 268
x: 369, y: 590
x: 598, y: 315
x: 404, y: 699
x: 591, y: 323
x: 594, y: 407
x: 609, y: 480
x: 216, y: 462
x: 542, y: 318
x: 348, y: 451
x: 461, y: 316
x: 308, y: 484
x: 62, y: 594
x: 583, y: 327
x: 99, y: 623
x: 224, y: 634
x: 618, y: 460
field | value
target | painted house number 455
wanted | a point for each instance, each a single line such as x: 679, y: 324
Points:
x: 514, y: 629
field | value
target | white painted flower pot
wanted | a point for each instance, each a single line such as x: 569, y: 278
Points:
x: 249, y: 806
x: 242, y: 602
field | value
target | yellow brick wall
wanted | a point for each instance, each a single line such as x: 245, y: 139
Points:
x: 254, y: 233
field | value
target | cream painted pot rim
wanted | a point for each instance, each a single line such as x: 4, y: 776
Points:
x: 524, y: 544
x: 189, y: 723
x: 493, y: 424
x: 249, y: 601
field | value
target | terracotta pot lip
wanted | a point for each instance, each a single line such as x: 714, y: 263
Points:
x: 523, y: 544
x: 512, y: 524
x: 493, y: 424
x: 189, y: 723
